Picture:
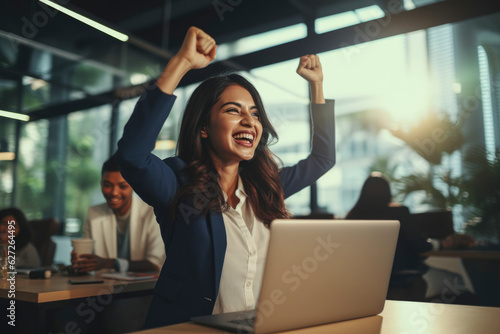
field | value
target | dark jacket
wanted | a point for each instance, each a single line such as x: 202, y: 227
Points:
x: 195, y: 244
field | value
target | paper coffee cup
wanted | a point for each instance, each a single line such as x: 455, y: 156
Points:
x: 83, y: 246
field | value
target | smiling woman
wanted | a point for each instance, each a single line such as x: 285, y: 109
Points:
x: 235, y: 114
x: 117, y: 192
x: 216, y: 199
x: 232, y: 108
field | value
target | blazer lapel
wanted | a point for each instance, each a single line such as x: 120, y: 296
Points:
x: 108, y: 224
x: 135, y: 227
x: 219, y: 245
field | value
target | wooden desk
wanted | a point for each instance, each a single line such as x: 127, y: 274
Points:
x: 54, y: 305
x: 482, y: 268
x: 57, y: 288
x: 398, y: 317
x: 466, y: 254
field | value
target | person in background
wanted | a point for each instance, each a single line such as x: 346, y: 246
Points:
x: 375, y: 202
x: 216, y: 199
x: 26, y: 253
x: 126, y: 235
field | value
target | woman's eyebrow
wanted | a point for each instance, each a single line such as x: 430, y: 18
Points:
x: 236, y: 104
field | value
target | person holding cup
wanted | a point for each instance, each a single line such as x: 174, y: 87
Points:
x: 82, y: 246
x: 123, y: 232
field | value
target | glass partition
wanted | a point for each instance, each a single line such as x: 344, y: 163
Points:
x: 286, y: 98
x: 411, y: 106
x: 32, y: 165
x: 87, y: 149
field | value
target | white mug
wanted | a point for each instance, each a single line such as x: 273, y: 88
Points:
x: 83, y: 246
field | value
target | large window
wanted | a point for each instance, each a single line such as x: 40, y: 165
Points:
x: 87, y: 149
x: 8, y: 101
x: 384, y: 90
x: 286, y: 99
x: 371, y: 101
x: 31, y: 170
x: 7, y: 144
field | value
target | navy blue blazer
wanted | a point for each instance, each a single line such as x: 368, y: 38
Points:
x: 195, y: 244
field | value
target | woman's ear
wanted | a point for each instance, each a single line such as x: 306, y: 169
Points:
x: 204, y: 133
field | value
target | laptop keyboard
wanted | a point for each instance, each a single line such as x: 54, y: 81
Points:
x: 244, y: 321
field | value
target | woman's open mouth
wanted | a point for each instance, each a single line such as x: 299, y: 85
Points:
x: 244, y: 138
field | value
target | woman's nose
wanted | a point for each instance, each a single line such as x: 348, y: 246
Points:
x: 247, y: 119
x: 115, y: 191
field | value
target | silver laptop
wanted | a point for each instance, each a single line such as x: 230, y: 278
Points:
x: 318, y: 272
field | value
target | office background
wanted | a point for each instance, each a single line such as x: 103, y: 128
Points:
x: 416, y: 83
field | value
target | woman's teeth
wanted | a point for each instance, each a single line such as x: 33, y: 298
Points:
x: 246, y: 136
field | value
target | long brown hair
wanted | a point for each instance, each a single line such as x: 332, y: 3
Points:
x: 24, y: 236
x: 259, y: 175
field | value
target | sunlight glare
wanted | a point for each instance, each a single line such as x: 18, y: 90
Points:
x: 408, y: 101
x: 410, y: 97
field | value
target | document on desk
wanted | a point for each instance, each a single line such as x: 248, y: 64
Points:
x: 130, y: 276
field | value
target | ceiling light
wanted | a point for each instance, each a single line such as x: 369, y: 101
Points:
x: 261, y: 41
x: 37, y: 84
x: 165, y: 144
x: 409, y: 5
x: 92, y: 23
x: 138, y: 78
x: 370, y: 13
x: 336, y: 21
x: 14, y: 115
x: 7, y: 156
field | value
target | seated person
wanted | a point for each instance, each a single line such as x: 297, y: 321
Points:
x: 26, y: 253
x: 375, y: 202
x: 126, y: 234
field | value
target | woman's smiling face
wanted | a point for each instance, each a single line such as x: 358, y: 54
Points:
x: 117, y: 192
x: 234, y: 129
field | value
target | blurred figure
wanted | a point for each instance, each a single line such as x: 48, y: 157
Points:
x: 127, y: 237
x: 375, y: 202
x: 26, y: 254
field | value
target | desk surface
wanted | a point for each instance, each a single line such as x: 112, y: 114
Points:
x: 57, y: 288
x: 398, y: 317
x: 466, y: 254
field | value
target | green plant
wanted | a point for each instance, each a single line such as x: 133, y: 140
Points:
x: 481, y: 186
x: 477, y: 190
x: 82, y: 176
x: 434, y: 137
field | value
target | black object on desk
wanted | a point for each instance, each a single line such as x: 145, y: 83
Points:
x: 35, y: 272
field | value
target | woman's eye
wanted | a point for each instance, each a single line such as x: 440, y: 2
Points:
x: 256, y: 115
x: 232, y: 110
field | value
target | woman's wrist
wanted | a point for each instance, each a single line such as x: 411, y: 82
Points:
x: 317, y: 95
x: 120, y: 265
x: 176, y: 68
x: 115, y: 265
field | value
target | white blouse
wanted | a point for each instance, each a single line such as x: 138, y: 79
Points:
x: 247, y: 241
